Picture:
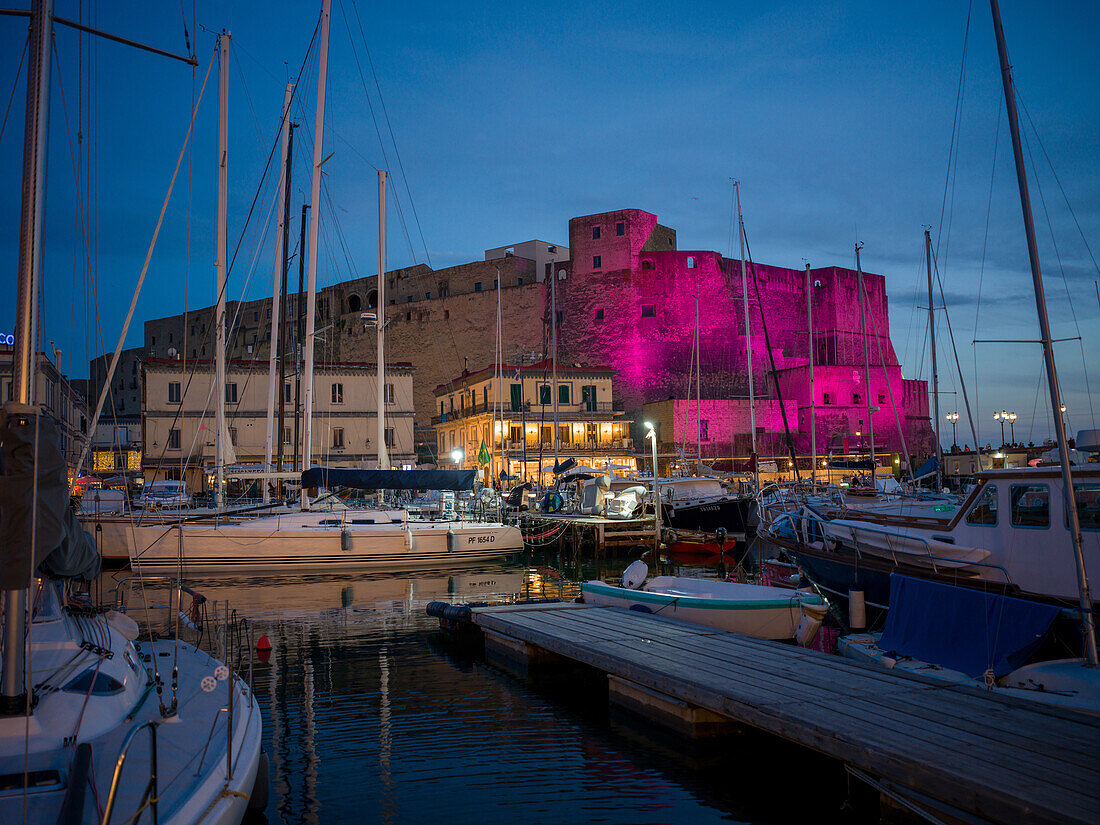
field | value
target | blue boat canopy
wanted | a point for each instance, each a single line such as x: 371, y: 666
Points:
x: 861, y: 464
x: 389, y: 479
x: 963, y: 629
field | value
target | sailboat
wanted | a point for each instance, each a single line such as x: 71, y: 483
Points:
x: 78, y: 680
x: 320, y: 540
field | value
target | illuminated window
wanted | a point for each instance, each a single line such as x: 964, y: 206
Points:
x: 1030, y: 505
x: 691, y: 263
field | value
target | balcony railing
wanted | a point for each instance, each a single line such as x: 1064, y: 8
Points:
x: 535, y: 411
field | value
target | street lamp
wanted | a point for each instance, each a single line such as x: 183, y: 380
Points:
x: 456, y: 457
x: 651, y: 434
x: 1002, y: 417
x: 953, y: 417
x: 1012, y: 426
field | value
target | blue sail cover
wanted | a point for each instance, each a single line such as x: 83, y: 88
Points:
x: 926, y: 468
x: 389, y: 479
x: 963, y: 629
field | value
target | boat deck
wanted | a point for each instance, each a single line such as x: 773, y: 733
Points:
x: 951, y: 749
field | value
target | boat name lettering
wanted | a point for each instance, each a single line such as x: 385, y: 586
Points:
x: 481, y: 539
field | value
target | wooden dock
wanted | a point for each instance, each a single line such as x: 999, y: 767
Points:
x: 574, y: 531
x: 954, y: 752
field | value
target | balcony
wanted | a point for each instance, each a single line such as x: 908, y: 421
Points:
x: 533, y: 411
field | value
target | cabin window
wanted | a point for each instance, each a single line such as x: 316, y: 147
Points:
x: 1030, y: 505
x: 544, y: 394
x: 985, y: 509
x: 1087, y: 497
x: 173, y: 392
x: 93, y: 682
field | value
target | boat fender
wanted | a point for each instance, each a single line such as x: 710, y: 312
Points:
x: 446, y: 610
x: 410, y: 540
x: 810, y: 623
x: 261, y: 787
x: 640, y: 608
x: 345, y: 539
x: 435, y: 609
x: 857, y: 610
x: 125, y: 626
x: 452, y: 540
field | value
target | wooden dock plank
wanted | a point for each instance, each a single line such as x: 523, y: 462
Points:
x: 815, y: 669
x: 926, y: 728
x: 917, y: 732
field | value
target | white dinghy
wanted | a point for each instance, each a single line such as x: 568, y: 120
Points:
x: 750, y: 609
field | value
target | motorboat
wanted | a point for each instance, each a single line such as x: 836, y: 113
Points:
x: 163, y: 494
x: 1006, y: 536
x: 703, y: 504
x: 749, y: 609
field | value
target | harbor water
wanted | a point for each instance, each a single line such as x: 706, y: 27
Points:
x: 371, y: 714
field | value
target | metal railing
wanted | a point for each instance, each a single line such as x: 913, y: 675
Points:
x: 150, y: 796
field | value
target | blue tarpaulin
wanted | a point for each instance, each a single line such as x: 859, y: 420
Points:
x: 390, y: 479
x: 963, y: 629
x: 926, y: 468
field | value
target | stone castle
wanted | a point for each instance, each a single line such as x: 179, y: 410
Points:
x: 623, y: 295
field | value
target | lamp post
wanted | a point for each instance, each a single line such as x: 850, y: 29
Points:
x: 1012, y: 426
x: 1001, y: 417
x: 651, y: 434
x: 456, y: 457
x: 1063, y: 416
x: 953, y: 417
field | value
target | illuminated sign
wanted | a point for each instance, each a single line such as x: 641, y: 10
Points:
x: 7, y: 338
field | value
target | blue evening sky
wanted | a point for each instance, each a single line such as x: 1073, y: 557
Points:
x: 511, y: 118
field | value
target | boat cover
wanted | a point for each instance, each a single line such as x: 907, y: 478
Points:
x: 963, y: 629
x: 862, y: 464
x: 61, y: 547
x: 389, y: 479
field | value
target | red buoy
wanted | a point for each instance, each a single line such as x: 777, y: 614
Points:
x: 263, y: 643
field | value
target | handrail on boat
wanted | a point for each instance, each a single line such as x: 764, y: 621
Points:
x: 802, y: 534
x: 150, y: 796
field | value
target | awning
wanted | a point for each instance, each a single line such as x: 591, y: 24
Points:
x: 963, y: 629
x: 389, y: 479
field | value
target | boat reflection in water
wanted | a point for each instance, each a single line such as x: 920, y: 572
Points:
x: 370, y: 716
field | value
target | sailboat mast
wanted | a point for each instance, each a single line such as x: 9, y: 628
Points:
x: 220, y: 260
x: 1088, y: 628
x: 935, y: 373
x: 383, y: 458
x: 280, y: 276
x: 748, y: 337
x: 866, y: 361
x: 14, y: 688
x: 315, y: 199
x: 279, y: 324
x: 698, y: 396
x: 554, y: 355
x: 813, y: 417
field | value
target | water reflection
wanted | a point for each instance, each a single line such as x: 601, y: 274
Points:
x: 371, y: 716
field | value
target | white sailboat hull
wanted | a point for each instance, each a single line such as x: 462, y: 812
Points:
x: 271, y: 545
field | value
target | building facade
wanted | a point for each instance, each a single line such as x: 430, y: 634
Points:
x: 54, y: 394
x: 511, y: 410
x: 621, y: 292
x: 178, y: 418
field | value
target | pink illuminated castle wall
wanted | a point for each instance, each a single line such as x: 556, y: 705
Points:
x: 628, y: 297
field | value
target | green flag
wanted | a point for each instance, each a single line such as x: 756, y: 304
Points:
x: 483, y: 453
